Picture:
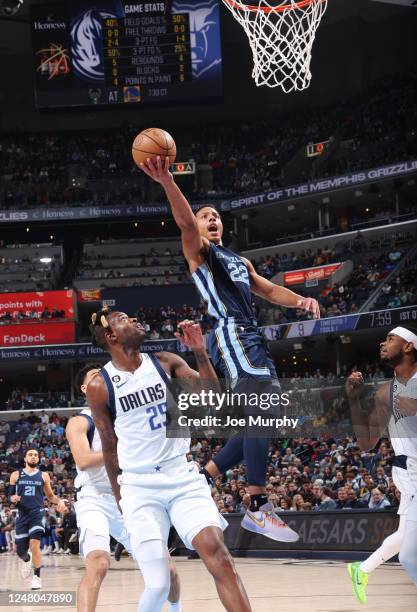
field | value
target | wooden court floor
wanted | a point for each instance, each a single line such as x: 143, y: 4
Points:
x: 273, y: 585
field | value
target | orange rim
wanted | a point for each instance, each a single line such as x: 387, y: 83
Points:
x: 270, y: 9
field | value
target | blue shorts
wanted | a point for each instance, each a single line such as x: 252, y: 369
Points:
x: 29, y: 522
x: 240, y: 352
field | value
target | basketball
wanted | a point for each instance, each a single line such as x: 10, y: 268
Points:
x: 153, y: 142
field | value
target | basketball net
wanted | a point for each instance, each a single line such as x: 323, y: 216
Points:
x: 281, y: 37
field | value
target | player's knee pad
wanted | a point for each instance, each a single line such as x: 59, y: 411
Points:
x: 22, y: 545
x: 152, y: 557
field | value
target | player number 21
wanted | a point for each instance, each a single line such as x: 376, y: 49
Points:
x: 157, y: 420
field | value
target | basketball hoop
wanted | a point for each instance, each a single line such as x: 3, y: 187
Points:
x: 281, y: 35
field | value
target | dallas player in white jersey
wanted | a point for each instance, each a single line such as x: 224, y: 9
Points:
x: 394, y: 408
x: 98, y: 516
x: 158, y: 486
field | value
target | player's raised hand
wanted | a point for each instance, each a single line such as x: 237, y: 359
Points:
x: 157, y: 169
x: 310, y: 305
x: 354, y: 385
x: 190, y: 334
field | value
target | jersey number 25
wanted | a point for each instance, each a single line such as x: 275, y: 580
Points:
x: 157, y: 414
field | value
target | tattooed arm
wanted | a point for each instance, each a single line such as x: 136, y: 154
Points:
x: 97, y: 399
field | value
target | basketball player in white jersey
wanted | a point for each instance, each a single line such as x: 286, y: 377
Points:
x: 394, y: 408
x: 157, y: 486
x: 98, y: 516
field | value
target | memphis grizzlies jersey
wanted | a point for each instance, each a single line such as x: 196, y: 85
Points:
x: 95, y: 476
x: 30, y: 489
x: 223, y: 283
x: 138, y: 404
x: 403, y: 429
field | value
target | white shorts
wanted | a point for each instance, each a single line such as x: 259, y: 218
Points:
x: 175, y: 494
x: 412, y: 473
x: 403, y: 483
x: 100, y: 515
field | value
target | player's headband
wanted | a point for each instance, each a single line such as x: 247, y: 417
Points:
x: 405, y: 334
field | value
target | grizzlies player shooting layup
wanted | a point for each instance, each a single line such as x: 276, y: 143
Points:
x: 395, y: 408
x: 237, y: 348
x: 158, y: 486
x: 27, y: 489
x: 98, y: 516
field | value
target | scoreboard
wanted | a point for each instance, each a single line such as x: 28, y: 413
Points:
x: 118, y: 53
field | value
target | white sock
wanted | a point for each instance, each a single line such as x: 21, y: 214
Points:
x: 174, y: 607
x: 390, y: 546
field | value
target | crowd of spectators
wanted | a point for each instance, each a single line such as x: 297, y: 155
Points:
x: 244, y: 158
x: 23, y: 399
x: 303, y: 474
x: 296, y: 381
x: 161, y: 322
x: 32, y: 316
x: 162, y: 266
x: 308, y: 474
x: 366, y: 140
x: 46, y: 432
x: 402, y: 291
x: 342, y: 297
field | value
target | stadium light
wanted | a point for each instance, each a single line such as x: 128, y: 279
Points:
x: 8, y: 8
x: 45, y: 260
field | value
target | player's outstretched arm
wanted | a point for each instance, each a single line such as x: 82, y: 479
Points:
x: 368, y: 428
x: 280, y: 295
x: 97, y: 401
x: 190, y: 334
x: 84, y: 456
x: 193, y: 245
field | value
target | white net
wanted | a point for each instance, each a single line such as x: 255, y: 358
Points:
x: 281, y: 36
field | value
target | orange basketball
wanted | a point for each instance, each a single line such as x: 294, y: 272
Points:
x: 153, y: 142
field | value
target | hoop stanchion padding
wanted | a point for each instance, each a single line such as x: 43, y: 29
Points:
x: 281, y: 36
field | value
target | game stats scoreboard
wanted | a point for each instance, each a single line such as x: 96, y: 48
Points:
x: 119, y: 53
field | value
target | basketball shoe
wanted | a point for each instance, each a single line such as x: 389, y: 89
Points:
x: 36, y: 583
x: 26, y: 567
x: 359, y: 581
x: 266, y: 522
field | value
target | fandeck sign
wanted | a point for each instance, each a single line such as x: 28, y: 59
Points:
x: 26, y: 334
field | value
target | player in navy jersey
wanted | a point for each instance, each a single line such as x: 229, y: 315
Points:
x: 27, y: 488
x: 239, y: 352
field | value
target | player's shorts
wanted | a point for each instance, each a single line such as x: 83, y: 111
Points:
x: 30, y: 522
x: 238, y: 350
x: 173, y: 493
x: 403, y: 483
x: 100, y: 515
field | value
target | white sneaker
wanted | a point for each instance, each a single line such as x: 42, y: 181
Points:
x: 26, y: 567
x: 47, y: 550
x: 267, y: 523
x: 66, y: 552
x: 36, y: 583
